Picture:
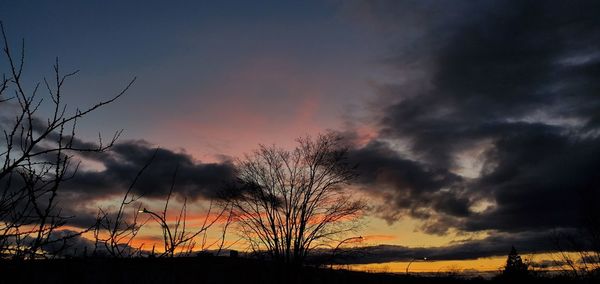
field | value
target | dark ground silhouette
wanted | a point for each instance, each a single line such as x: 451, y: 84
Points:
x: 209, y: 269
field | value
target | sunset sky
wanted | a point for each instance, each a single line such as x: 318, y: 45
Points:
x: 475, y: 124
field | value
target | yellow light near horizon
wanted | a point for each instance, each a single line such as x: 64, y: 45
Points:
x: 420, y: 266
x: 487, y: 264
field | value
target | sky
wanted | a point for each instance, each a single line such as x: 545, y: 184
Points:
x: 475, y: 125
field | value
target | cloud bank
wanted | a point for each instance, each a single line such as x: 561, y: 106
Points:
x: 493, y: 119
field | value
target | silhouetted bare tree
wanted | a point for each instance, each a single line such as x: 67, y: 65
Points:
x: 37, y: 154
x: 120, y: 228
x: 115, y: 231
x: 178, y: 235
x: 289, y: 202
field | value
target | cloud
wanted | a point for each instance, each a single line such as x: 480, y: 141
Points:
x: 106, y: 176
x: 546, y: 263
x: 540, y: 178
x: 407, y: 185
x: 510, y: 87
x: 494, y: 245
x: 119, y: 166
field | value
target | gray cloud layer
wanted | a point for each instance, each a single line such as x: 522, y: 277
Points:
x: 116, y: 169
x: 120, y: 165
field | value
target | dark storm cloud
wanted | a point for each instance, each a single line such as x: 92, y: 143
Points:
x: 120, y: 165
x: 540, y: 179
x: 517, y: 80
x: 506, y: 62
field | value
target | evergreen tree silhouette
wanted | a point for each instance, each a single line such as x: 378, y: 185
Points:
x: 515, y: 268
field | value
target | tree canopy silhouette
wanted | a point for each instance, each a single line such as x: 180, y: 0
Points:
x: 289, y: 202
x: 36, y: 157
x: 515, y: 268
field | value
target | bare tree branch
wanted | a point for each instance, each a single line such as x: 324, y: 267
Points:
x: 289, y: 202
